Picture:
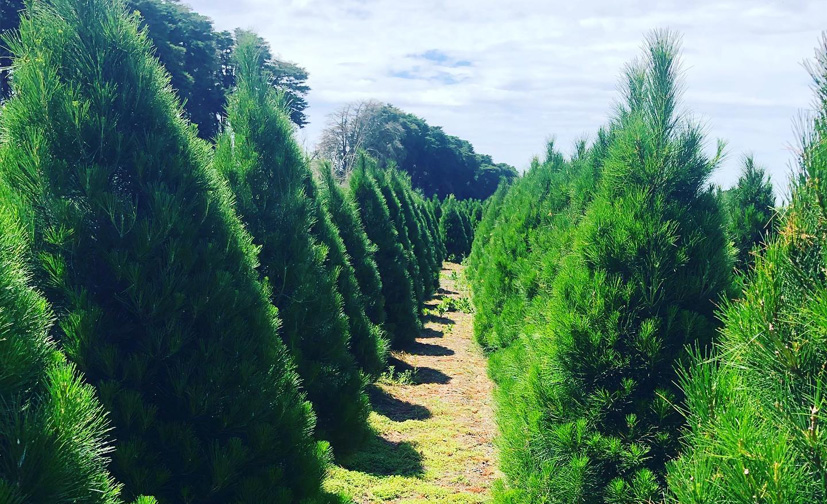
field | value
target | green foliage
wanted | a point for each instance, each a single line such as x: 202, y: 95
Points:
x: 384, y: 181
x: 53, y: 439
x: 454, y: 228
x: 450, y: 304
x: 188, y: 47
x: 361, y: 250
x: 402, y: 322
x: 271, y: 181
x: 9, y: 19
x: 149, y: 269
x: 757, y: 407
x: 600, y: 270
x: 437, y: 163
x: 198, y: 59
x: 421, y: 244
x: 750, y: 209
x: 368, y: 343
x: 522, y: 237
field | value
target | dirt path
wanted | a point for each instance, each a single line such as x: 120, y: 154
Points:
x: 432, y: 417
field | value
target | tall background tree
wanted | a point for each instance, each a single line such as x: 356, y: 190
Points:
x: 9, y: 19
x: 437, y: 163
x: 197, y: 57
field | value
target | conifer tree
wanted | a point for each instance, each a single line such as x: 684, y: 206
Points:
x: 452, y: 228
x: 431, y: 241
x: 270, y: 178
x: 756, y: 410
x: 149, y: 269
x: 422, y: 252
x: 434, y: 224
x: 53, y: 442
x: 402, y: 324
x: 385, y: 183
x: 750, y: 208
x: 368, y: 343
x: 488, y: 219
x: 437, y: 207
x: 361, y: 250
x: 647, y: 264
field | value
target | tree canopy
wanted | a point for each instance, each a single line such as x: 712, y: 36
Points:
x: 437, y: 163
x: 198, y: 58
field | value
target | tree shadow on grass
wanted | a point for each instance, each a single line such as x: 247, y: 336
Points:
x: 396, y: 409
x: 432, y: 303
x: 425, y: 375
x: 429, y: 333
x: 382, y: 457
x: 439, y: 319
x: 419, y: 348
x: 419, y: 375
x: 446, y: 292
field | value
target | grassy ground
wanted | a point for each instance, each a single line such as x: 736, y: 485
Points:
x: 433, y: 423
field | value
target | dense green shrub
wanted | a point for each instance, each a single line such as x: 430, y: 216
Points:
x: 427, y: 210
x: 757, y: 409
x: 53, y: 442
x: 457, y: 225
x: 488, y: 220
x: 750, y: 209
x: 430, y: 235
x: 149, y: 269
x: 271, y: 179
x: 402, y: 313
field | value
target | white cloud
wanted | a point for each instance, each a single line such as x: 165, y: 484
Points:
x: 542, y: 69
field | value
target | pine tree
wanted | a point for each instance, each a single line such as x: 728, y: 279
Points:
x: 385, y: 183
x: 750, y: 207
x: 427, y: 210
x: 593, y: 416
x: 149, y: 269
x: 53, y: 442
x: 401, y: 308
x: 361, y: 250
x: 423, y: 253
x: 452, y: 228
x: 756, y: 410
x: 270, y: 179
x: 431, y: 242
x: 368, y: 343
x: 488, y: 219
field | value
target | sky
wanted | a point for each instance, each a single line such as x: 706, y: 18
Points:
x: 508, y: 76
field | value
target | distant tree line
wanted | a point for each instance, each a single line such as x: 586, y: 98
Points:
x: 438, y: 164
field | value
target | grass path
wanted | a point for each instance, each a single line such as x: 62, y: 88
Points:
x: 432, y: 420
